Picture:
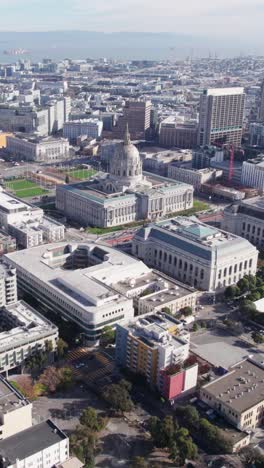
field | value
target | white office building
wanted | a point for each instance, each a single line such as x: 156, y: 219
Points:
x: 253, y: 173
x: 195, y: 253
x: 92, y: 128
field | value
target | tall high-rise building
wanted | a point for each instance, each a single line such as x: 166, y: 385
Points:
x: 261, y: 105
x: 221, y: 116
x: 137, y: 115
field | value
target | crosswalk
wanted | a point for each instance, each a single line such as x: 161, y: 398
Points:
x: 104, y: 365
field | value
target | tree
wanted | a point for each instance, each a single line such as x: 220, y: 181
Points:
x: 186, y: 447
x: 186, y: 311
x: 139, y: 462
x: 243, y: 285
x: 248, y: 309
x: 67, y: 179
x: 195, y: 327
x: 231, y: 292
x: 107, y: 336
x: 48, y: 346
x: 62, y: 348
x: 166, y: 310
x: 83, y: 445
x: 188, y: 416
x: 118, y: 397
x: 257, y: 337
x: 251, y: 457
x: 91, y: 421
x: 66, y: 377
x: 51, y: 378
x: 24, y: 384
x: 254, y: 296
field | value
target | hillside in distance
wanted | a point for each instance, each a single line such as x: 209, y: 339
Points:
x: 123, y: 45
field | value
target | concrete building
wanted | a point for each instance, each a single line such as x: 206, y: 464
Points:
x: 124, y: 195
x: 37, y: 149
x: 26, y: 223
x: 88, y: 127
x: 76, y: 281
x: 24, y: 332
x: 15, y: 411
x: 150, y: 346
x: 23, y: 119
x: 7, y: 243
x: 261, y: 104
x: 59, y: 111
x: 221, y: 116
x: 195, y: 253
x: 154, y: 292
x: 253, y: 173
x: 238, y: 395
x: 136, y: 114
x: 40, y: 446
x: 158, y: 162
x: 256, y: 132
x: 204, y: 157
x: 194, y: 177
x: 246, y: 219
x: 8, y: 285
x: 173, y: 133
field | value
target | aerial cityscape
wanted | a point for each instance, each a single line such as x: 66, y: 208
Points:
x: 131, y: 237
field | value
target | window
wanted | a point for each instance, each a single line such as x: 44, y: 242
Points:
x: 230, y: 270
x: 250, y: 263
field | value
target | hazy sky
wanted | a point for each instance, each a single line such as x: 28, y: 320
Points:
x: 220, y: 18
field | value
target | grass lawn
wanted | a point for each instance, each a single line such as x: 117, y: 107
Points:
x: 30, y: 192
x: 23, y: 188
x: 197, y: 206
x: 19, y: 184
x: 81, y: 173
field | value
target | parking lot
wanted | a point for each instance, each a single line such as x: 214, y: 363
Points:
x: 220, y: 348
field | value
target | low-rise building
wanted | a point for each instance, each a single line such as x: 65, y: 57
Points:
x: 154, y: 346
x: 195, y: 177
x: 24, y: 332
x: 15, y: 411
x: 239, y: 395
x: 7, y: 243
x: 246, y: 219
x: 204, y: 157
x: 155, y: 292
x: 89, y: 127
x: 42, y: 446
x: 26, y: 223
x: 33, y: 148
x: 195, y: 253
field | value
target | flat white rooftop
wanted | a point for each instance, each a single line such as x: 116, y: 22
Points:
x: 224, y: 91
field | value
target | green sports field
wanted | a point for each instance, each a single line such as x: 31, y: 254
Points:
x: 23, y: 188
x: 81, y: 173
